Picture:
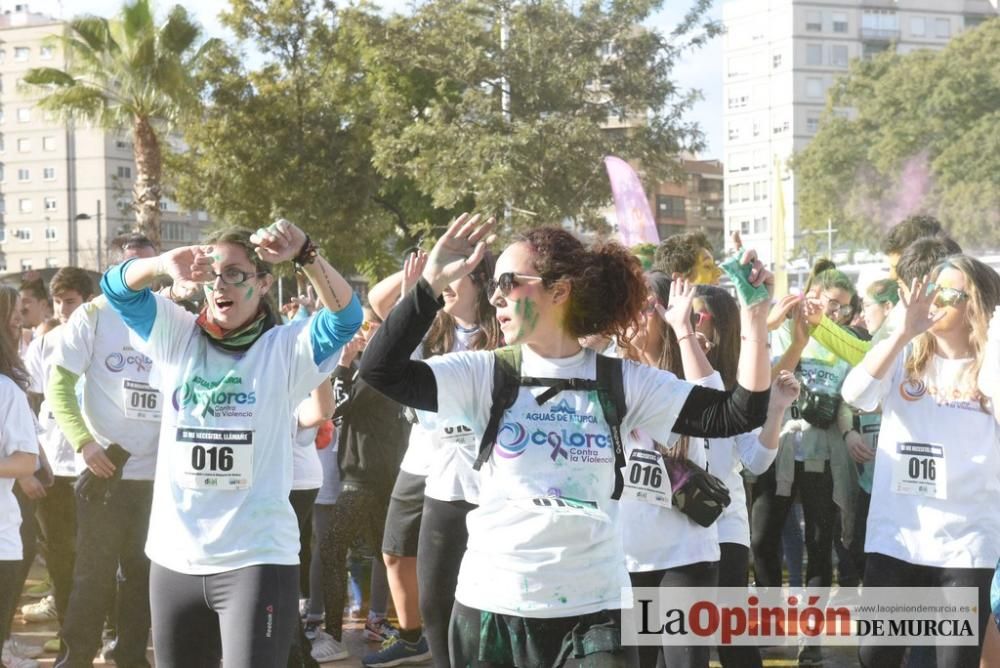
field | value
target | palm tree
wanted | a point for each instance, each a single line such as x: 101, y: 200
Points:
x: 127, y: 72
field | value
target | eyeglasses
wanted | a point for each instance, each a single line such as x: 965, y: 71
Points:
x: 700, y: 317
x: 842, y: 310
x: 950, y: 297
x: 507, y: 281
x: 233, y: 276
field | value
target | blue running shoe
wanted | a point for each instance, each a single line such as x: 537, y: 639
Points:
x: 398, y: 652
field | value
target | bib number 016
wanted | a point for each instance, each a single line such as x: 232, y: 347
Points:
x: 216, y: 458
x: 650, y: 475
x: 922, y: 469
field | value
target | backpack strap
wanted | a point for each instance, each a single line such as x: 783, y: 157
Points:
x: 557, y: 385
x: 611, y: 393
x: 506, y: 384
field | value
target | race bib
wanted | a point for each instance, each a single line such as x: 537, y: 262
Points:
x: 920, y: 470
x: 646, y: 480
x: 141, y: 401
x: 213, y: 458
x: 560, y: 505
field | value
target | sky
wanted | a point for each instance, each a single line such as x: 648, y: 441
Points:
x: 700, y: 70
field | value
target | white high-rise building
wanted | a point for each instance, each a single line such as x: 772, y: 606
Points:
x: 54, y: 175
x: 781, y: 56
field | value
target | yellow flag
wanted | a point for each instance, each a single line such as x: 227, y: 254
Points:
x: 778, y: 235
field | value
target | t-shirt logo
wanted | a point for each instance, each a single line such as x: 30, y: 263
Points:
x: 117, y: 362
x: 220, y: 398
x: 511, y: 440
x: 912, y: 390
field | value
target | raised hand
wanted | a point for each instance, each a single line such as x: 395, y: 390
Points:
x: 278, y: 242
x: 351, y: 349
x: 677, y: 314
x: 779, y: 312
x: 784, y: 390
x: 413, y: 267
x: 188, y: 264
x: 812, y: 311
x: 800, y: 326
x: 458, y: 251
x: 917, y: 317
x: 307, y: 300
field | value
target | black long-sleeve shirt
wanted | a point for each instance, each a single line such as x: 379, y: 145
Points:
x: 387, y: 367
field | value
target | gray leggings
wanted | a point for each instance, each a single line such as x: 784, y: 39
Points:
x: 248, y: 614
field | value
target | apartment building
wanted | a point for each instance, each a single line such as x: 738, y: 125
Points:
x: 692, y: 203
x: 57, y: 176
x: 781, y: 57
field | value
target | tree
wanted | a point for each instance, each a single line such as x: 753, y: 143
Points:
x: 514, y: 101
x: 128, y: 72
x: 922, y: 137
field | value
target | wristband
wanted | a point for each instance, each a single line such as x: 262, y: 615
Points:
x: 686, y: 336
x: 307, y: 254
x: 844, y: 435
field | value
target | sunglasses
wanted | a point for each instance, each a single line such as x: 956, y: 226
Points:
x: 950, y: 297
x: 842, y: 310
x: 507, y: 281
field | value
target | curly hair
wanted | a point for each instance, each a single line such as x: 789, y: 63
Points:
x: 680, y: 253
x: 607, y: 288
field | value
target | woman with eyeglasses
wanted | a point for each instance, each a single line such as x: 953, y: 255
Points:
x: 223, y: 538
x: 932, y: 521
x: 812, y: 462
x: 693, y: 332
x: 541, y: 578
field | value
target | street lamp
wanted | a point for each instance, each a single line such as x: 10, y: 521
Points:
x: 84, y: 216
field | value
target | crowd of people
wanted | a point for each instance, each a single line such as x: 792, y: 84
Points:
x: 498, y: 444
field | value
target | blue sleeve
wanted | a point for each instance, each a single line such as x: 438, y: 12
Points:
x: 137, y: 308
x: 301, y: 314
x: 329, y: 330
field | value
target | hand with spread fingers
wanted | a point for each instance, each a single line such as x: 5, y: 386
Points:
x: 279, y: 241
x: 677, y: 314
x: 458, y: 251
x: 413, y: 267
x: 917, y: 317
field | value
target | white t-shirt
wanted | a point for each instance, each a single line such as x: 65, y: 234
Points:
x: 726, y: 459
x: 220, y: 501
x: 62, y: 458
x: 656, y: 537
x: 307, y: 472
x: 545, y: 540
x: 17, y: 434
x: 444, y: 449
x: 118, y: 403
x: 937, y: 468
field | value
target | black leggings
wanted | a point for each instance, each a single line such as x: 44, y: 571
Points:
x: 768, y: 520
x: 247, y: 614
x: 441, y: 546
x: 10, y: 591
x: 885, y: 571
x: 702, y: 574
x: 733, y: 572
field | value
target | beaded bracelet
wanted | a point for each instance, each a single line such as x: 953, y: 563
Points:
x: 307, y: 254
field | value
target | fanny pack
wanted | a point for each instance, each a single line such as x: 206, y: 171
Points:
x: 818, y: 408
x: 696, y: 492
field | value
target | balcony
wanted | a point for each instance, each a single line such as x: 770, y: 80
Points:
x: 879, y: 34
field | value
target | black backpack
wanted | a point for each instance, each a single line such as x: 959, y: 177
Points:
x: 507, y: 381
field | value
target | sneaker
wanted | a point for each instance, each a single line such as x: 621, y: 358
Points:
x: 43, y: 611
x: 108, y: 650
x: 13, y: 661
x: 311, y: 629
x: 326, y: 649
x: 397, y: 652
x: 810, y: 655
x: 52, y: 646
x: 378, y: 629
x: 39, y: 589
x: 22, y: 649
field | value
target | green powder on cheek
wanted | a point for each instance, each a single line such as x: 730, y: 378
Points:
x: 529, y: 316
x: 249, y: 292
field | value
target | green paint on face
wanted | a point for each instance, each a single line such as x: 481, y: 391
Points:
x: 209, y: 289
x: 249, y: 292
x: 217, y: 257
x: 529, y: 317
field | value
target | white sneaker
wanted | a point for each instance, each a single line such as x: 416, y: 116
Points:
x: 23, y: 649
x: 11, y: 660
x: 326, y: 649
x: 43, y: 611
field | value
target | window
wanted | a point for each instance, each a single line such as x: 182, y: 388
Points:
x: 942, y: 28
x: 48, y: 143
x: 734, y: 193
x: 122, y: 144
x: 744, y: 224
x: 26, y: 265
x: 50, y: 234
x: 814, y: 54
x: 776, y: 60
x: 738, y: 67
x: 782, y: 127
x: 3, y: 116
x: 23, y: 175
x: 669, y: 206
x: 744, y: 192
x: 973, y: 21
x: 734, y: 132
x: 839, y: 22
x: 740, y: 162
x: 812, y: 125
x: 3, y: 55
x: 918, y: 26
x: 23, y: 145
x: 45, y: 52
x: 23, y: 233
x: 878, y: 24
x: 814, y: 87
x: 3, y: 235
x: 50, y: 205
x: 24, y: 115
x: 2, y: 178
x: 756, y: 127
x: 760, y: 225
x: 49, y: 173
x: 51, y: 262
x: 124, y: 172
x: 21, y: 53
x: 24, y: 205
x: 3, y: 205
x: 738, y: 101
x: 814, y: 21
x: 3, y: 145
x: 838, y: 55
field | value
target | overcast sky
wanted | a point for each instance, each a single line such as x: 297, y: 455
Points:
x: 701, y: 70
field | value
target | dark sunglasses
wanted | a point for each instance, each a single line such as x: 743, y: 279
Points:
x: 950, y: 297
x: 507, y: 281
